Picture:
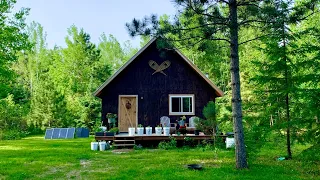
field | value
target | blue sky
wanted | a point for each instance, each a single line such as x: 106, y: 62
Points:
x: 95, y: 16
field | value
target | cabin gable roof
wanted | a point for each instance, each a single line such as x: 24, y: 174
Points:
x: 98, y: 92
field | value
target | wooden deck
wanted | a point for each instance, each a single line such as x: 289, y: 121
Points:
x: 153, y: 137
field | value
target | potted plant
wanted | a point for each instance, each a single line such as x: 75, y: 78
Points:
x: 183, y: 130
x: 100, y: 131
x: 140, y: 130
x: 166, y: 130
x: 148, y: 130
x: 182, y: 120
x: 131, y: 131
x: 111, y: 119
x: 158, y: 130
x: 114, y: 130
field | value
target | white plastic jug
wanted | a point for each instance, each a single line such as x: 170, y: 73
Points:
x: 158, y: 131
x: 230, y: 142
x: 131, y: 131
x: 166, y: 131
x: 149, y: 131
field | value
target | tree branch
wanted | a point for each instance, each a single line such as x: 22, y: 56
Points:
x: 244, y: 22
x: 220, y: 39
x: 248, y: 3
x: 191, y: 5
x: 256, y: 38
x: 224, y: 1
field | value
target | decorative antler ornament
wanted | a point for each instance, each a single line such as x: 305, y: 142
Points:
x: 158, y: 68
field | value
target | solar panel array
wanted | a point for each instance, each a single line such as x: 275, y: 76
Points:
x: 82, y: 132
x: 60, y: 133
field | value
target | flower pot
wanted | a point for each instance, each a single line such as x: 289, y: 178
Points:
x: 158, y: 131
x: 181, y: 122
x: 131, y: 131
x: 140, y: 131
x: 99, y: 133
x: 182, y: 130
x: 109, y: 133
x: 94, y: 146
x: 148, y: 131
x: 230, y: 142
x: 166, y: 131
x: 111, y: 120
x: 102, y: 146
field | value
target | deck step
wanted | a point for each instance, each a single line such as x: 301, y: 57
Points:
x: 123, y: 141
x: 123, y: 145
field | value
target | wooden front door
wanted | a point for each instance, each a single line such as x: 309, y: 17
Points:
x: 128, y: 112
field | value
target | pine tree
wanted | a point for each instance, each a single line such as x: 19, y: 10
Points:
x: 217, y: 20
x: 277, y: 77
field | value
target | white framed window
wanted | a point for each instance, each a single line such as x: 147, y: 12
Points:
x: 181, y: 104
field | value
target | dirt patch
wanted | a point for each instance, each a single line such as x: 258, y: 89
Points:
x: 84, y: 163
x: 73, y: 174
x: 121, y: 151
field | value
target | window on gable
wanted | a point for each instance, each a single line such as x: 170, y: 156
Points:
x: 182, y: 104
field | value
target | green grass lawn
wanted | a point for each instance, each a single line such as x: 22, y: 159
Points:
x: 36, y: 158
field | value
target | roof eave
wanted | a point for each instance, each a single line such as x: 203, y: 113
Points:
x: 99, y: 90
x: 97, y: 93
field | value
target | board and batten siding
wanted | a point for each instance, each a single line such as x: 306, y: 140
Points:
x: 153, y: 90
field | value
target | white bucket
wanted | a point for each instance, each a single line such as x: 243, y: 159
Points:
x: 230, y: 142
x: 166, y: 131
x: 94, y: 146
x: 158, y: 130
x: 131, y: 131
x: 140, y: 131
x: 102, y: 146
x: 148, y: 131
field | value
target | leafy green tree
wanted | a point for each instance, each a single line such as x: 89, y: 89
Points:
x: 83, y: 73
x: 13, y: 39
x: 113, y: 54
x: 32, y: 68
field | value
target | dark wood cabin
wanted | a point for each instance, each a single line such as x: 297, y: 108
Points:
x: 155, y: 83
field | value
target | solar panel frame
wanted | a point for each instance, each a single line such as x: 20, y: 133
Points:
x: 70, y: 133
x: 63, y: 133
x: 78, y: 132
x: 55, y: 133
x: 48, y: 134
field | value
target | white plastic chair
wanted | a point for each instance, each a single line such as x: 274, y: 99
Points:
x: 165, y: 121
x: 192, y: 124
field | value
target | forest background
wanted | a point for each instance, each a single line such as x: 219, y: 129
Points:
x: 43, y: 87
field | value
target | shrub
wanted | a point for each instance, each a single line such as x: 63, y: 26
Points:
x: 209, y: 126
x: 12, y: 122
x: 172, y: 144
x: 189, y: 142
x: 12, y: 134
x: 33, y: 130
x: 310, y: 154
